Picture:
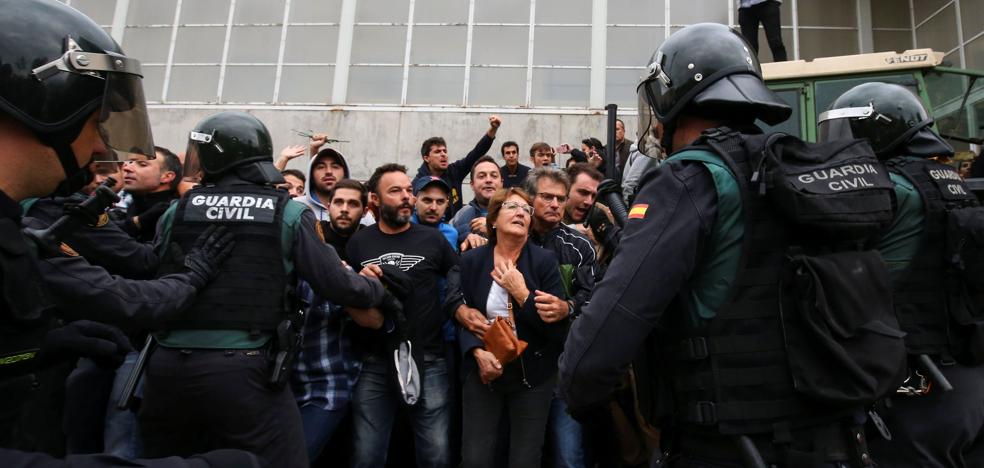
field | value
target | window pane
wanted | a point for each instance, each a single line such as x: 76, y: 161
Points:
x: 924, y: 8
x: 887, y: 14
x: 202, y: 44
x: 558, y: 87
x: 822, y: 43
x: 620, y: 87
x: 315, y: 11
x: 379, y: 44
x: 897, y: 41
x: 502, y: 11
x: 563, y: 11
x: 440, y: 11
x: 971, y: 12
x: 975, y: 54
x: 792, y: 125
x: 101, y: 11
x: 203, y: 12
x: 307, y: 84
x: 699, y: 11
x: 254, y: 43
x: 827, y: 13
x: 311, y: 44
x: 375, y: 85
x: 382, y: 11
x: 438, y: 44
x: 939, y: 33
x: 259, y: 11
x: 249, y: 84
x: 435, y: 85
x: 153, y: 79
x: 636, y: 12
x: 561, y: 46
x: 193, y: 84
x: 147, y: 44
x: 500, y: 45
x: 497, y: 87
x: 632, y: 47
x: 144, y: 11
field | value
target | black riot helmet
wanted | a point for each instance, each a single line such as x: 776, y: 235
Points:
x: 889, y: 116
x: 231, y: 142
x: 707, y: 70
x: 58, y: 67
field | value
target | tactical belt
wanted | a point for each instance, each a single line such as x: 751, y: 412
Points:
x: 814, y: 446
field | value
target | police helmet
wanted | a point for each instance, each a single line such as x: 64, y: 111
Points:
x: 57, y: 67
x: 889, y: 116
x: 707, y: 70
x: 226, y: 141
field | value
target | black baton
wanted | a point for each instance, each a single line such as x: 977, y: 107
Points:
x: 126, y: 397
x: 934, y: 372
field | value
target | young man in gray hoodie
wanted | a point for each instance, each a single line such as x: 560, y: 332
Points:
x: 327, y: 167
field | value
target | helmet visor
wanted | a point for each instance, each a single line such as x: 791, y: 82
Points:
x: 193, y: 171
x: 647, y: 132
x: 123, y: 120
x: 835, y: 124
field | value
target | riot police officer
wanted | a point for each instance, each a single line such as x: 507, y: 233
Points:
x: 695, y: 284
x: 68, y: 94
x: 215, y: 378
x: 934, y: 273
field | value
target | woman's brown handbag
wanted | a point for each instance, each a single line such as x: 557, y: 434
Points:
x: 500, y: 339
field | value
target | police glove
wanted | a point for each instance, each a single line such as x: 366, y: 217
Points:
x: 599, y: 224
x: 211, y: 249
x: 104, y: 344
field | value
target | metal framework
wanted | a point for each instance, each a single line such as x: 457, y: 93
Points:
x: 597, y: 68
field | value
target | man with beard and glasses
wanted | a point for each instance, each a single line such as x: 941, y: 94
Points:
x: 470, y: 220
x: 426, y: 257
x: 327, y: 366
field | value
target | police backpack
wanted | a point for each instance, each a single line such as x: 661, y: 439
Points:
x: 813, y: 213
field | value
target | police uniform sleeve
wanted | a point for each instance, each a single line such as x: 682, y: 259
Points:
x: 659, y: 250
x: 319, y: 265
x: 84, y: 291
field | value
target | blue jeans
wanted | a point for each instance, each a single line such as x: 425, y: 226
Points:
x: 122, y: 433
x: 375, y: 402
x: 566, y: 438
x: 319, y: 425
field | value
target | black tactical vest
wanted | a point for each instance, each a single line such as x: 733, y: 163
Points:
x: 250, y: 291
x: 23, y: 310
x: 922, y: 296
x: 732, y: 374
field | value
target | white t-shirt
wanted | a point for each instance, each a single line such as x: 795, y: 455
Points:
x: 498, y: 302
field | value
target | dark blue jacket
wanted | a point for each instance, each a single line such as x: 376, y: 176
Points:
x: 546, y: 341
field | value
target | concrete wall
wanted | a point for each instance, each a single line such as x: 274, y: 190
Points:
x: 379, y: 137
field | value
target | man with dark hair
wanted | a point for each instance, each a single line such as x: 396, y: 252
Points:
x: 327, y: 366
x: 513, y: 173
x: 485, y: 181
x: 294, y: 182
x: 623, y: 146
x: 584, y: 190
x: 327, y: 167
x: 153, y: 184
x: 434, y: 152
x: 425, y: 257
x: 542, y: 154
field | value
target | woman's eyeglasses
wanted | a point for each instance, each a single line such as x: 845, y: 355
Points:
x: 513, y: 206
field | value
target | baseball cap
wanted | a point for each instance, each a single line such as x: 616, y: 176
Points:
x: 423, y: 182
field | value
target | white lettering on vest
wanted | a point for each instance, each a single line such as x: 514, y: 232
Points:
x: 944, y: 174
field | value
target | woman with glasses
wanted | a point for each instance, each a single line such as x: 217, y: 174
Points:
x: 503, y: 279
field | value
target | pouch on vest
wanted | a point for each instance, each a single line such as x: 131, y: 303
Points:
x: 843, y: 340
x: 965, y: 255
x: 833, y: 191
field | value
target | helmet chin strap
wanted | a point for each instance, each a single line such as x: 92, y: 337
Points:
x: 76, y: 177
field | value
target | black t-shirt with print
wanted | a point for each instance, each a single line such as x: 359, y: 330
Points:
x: 426, y: 256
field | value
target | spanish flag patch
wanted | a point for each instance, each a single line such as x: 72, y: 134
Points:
x: 638, y: 211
